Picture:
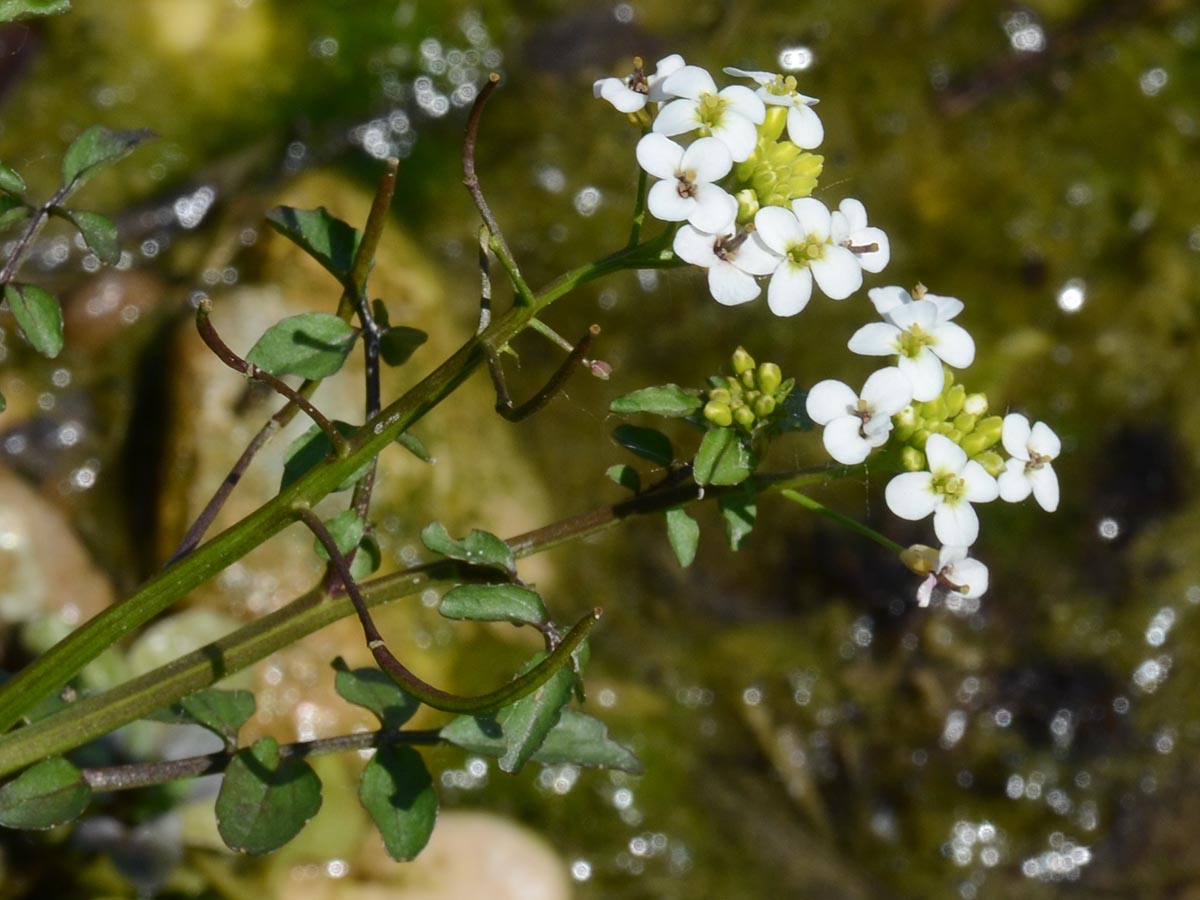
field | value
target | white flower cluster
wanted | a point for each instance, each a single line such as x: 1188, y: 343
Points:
x: 778, y: 230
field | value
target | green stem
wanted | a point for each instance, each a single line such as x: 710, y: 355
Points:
x: 853, y: 524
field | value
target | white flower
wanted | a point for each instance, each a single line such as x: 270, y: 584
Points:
x: 870, y: 246
x: 885, y: 299
x: 631, y: 93
x: 954, y: 573
x: 1029, y: 470
x: 686, y: 191
x: 922, y: 339
x: 731, y: 116
x: 947, y: 490
x: 803, y: 237
x: 732, y: 260
x: 855, y: 425
x: 803, y: 125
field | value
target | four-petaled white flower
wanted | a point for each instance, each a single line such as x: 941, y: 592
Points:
x: 922, y: 339
x: 869, y: 245
x: 732, y: 260
x: 947, y: 490
x: 731, y: 115
x: 803, y: 124
x: 687, y: 192
x: 803, y: 237
x: 954, y: 573
x: 857, y: 424
x: 1032, y: 450
x: 885, y: 299
x: 631, y: 93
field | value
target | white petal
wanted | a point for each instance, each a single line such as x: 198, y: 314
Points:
x: 885, y: 299
x: 972, y: 575
x: 689, y: 82
x: 953, y: 345
x: 1014, y: 486
x: 919, y: 312
x: 758, y: 77
x: 949, y: 555
x: 873, y: 260
x: 744, y: 102
x: 778, y: 228
x: 676, y: 117
x: 838, y: 273
x: 664, y: 203
x: 756, y: 259
x: 875, y: 339
x: 731, y: 286
x: 804, y: 127
x: 945, y: 456
x: 1045, y: 487
x: 790, y: 289
x: 660, y: 156
x: 828, y: 400
x: 694, y: 246
x: 814, y: 217
x: 844, y: 441
x: 924, y: 371
x: 708, y: 158
x: 665, y: 67
x: 1044, y: 442
x: 956, y: 523
x: 738, y: 134
x: 619, y: 94
x: 980, y: 486
x: 713, y: 210
x: 948, y: 307
x: 887, y: 391
x: 877, y: 430
x: 910, y: 495
x: 925, y: 591
x: 1015, y: 436
x: 855, y: 213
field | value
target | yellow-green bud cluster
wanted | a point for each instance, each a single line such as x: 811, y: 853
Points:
x: 777, y: 172
x: 960, y: 416
x: 749, y: 397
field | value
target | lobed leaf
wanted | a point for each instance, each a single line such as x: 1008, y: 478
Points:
x: 479, y: 548
x: 312, y: 345
x: 374, y: 690
x: 398, y: 343
x: 264, y: 799
x: 397, y: 790
x: 684, y: 534
x: 666, y: 400
x: 647, y: 443
x: 39, y: 315
x: 96, y: 148
x: 494, y: 603
x: 47, y: 794
x: 321, y: 235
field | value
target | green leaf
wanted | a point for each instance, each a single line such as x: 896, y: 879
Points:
x: 527, y: 722
x: 313, y: 345
x: 324, y: 237
x: 96, y: 148
x: 647, y: 443
x: 684, y: 534
x: 367, y: 559
x: 11, y: 10
x: 494, y: 603
x: 3, y: 402
x: 12, y: 211
x: 221, y: 712
x: 414, y: 445
x: 577, y: 738
x: 723, y: 458
x: 311, y: 449
x: 346, y: 529
x: 398, y: 343
x: 50, y: 793
x: 625, y: 476
x: 376, y: 691
x: 39, y: 315
x: 738, y: 513
x: 398, y: 792
x: 794, y: 416
x: 479, y: 548
x: 99, y: 233
x: 666, y: 400
x: 11, y: 180
x: 379, y: 313
x: 264, y: 799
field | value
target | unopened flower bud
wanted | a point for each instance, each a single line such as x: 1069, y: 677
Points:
x: 912, y: 459
x: 976, y: 404
x: 773, y: 125
x: 935, y: 409
x: 747, y: 378
x: 965, y: 422
x: 764, y: 406
x: 976, y: 442
x: 744, y: 416
x: 720, y: 395
x: 919, y: 559
x: 954, y: 434
x: 992, y: 426
x: 742, y: 361
x: 747, y: 205
x: 769, y: 378
x: 718, y: 413
x: 955, y: 398
x: 992, y: 462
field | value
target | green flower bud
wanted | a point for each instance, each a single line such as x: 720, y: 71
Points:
x: 965, y: 422
x: 763, y: 181
x: 955, y: 398
x: 744, y: 416
x: 748, y: 205
x: 992, y: 426
x: 764, y: 406
x: 992, y: 462
x: 735, y: 386
x: 954, y: 434
x: 720, y: 395
x: 976, y: 404
x: 742, y: 361
x: 919, y: 559
x: 747, y: 377
x: 935, y: 409
x: 802, y: 175
x: 769, y: 378
x: 975, y: 443
x: 920, y: 436
x: 773, y: 125
x: 718, y: 413
x: 912, y: 459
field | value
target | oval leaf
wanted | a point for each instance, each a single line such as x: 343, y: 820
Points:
x: 99, y: 234
x: 346, y: 529
x: 737, y: 512
x: 324, y: 237
x: 646, y: 443
x: 313, y: 345
x: 398, y: 343
x: 397, y: 791
x: 96, y: 148
x: 48, y: 794
x: 221, y: 712
x: 479, y: 548
x: 625, y: 476
x: 12, y: 211
x: 311, y: 449
x: 415, y: 446
x: 577, y: 739
x: 723, y: 458
x: 684, y: 534
x: 265, y: 800
x: 11, y: 10
x: 494, y: 603
x: 11, y: 180
x: 527, y: 722
x: 376, y: 691
x: 39, y: 315
x: 666, y: 400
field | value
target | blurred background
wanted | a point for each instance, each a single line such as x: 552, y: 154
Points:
x: 807, y: 731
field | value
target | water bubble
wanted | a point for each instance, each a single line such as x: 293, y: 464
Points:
x: 587, y: 200
x: 1072, y: 295
x: 1160, y: 627
x: 954, y: 728
x: 752, y: 696
x: 1024, y: 33
x: 623, y: 13
x: 1108, y: 528
x: 796, y: 59
x: 1153, y: 80
x: 1150, y: 675
x: 581, y: 870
